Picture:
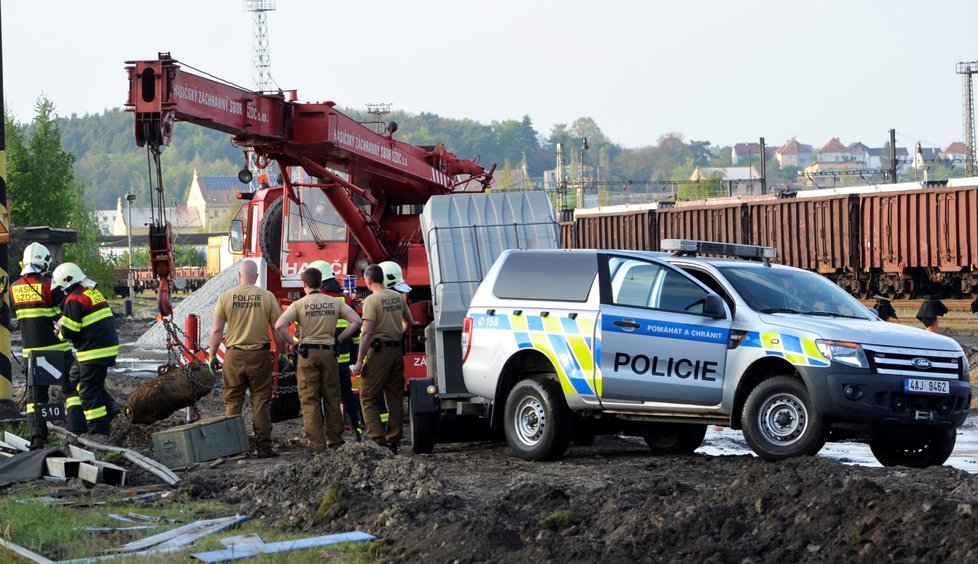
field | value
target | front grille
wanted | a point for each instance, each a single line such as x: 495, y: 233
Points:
x: 924, y: 363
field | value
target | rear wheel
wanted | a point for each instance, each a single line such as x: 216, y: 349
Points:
x: 780, y: 420
x: 674, y: 438
x: 270, y: 235
x: 537, y: 422
x: 422, y: 431
x: 915, y: 452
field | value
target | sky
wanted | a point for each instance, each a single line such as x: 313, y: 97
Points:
x: 718, y: 71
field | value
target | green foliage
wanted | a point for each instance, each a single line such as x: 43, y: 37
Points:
x: 709, y: 188
x: 44, y: 191
x: 183, y: 255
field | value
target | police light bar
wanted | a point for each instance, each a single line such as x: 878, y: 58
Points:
x: 689, y: 246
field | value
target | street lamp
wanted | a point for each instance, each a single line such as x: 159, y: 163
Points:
x: 129, y: 302
x: 580, y: 193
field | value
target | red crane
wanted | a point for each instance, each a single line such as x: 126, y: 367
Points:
x: 375, y: 183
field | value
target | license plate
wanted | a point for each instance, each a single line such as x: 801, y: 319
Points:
x: 920, y: 386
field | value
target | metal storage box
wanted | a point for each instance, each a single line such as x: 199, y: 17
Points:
x: 205, y: 440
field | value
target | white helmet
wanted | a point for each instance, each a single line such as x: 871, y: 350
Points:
x: 323, y: 267
x: 393, y: 277
x: 37, y: 255
x: 67, y: 275
x: 329, y: 279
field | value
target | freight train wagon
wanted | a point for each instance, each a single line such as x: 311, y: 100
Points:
x: 900, y: 240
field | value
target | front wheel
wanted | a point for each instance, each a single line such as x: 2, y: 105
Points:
x: 674, y: 438
x: 537, y: 421
x: 919, y: 452
x: 780, y: 421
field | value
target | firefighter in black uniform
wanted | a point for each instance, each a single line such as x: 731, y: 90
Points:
x: 87, y: 321
x: 37, y: 306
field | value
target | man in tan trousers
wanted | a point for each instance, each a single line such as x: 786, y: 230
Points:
x: 380, y: 359
x: 316, y: 315
x: 250, y: 313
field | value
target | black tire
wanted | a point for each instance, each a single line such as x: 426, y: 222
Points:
x: 780, y: 420
x: 915, y: 452
x: 270, y: 235
x: 537, y: 421
x: 422, y: 430
x: 674, y: 438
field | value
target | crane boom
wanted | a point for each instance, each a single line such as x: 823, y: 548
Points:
x: 327, y: 144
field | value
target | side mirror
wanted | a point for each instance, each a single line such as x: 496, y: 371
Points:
x: 714, y: 307
x: 236, y: 236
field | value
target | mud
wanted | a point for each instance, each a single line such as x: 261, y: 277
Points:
x: 610, y: 502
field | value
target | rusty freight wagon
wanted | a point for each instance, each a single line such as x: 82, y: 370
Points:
x: 818, y: 234
x: 628, y: 227
x: 918, y: 240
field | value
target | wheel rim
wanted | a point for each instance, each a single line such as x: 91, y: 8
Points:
x: 783, y: 419
x: 529, y: 421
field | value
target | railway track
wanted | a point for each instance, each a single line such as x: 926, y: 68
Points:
x: 959, y: 317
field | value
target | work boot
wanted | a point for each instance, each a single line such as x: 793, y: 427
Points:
x: 75, y: 416
x: 266, y: 454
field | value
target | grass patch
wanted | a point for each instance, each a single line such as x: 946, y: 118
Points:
x: 560, y: 519
x: 56, y: 532
x: 331, y: 498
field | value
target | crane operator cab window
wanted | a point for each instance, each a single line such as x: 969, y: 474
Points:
x: 315, y: 219
x: 638, y: 283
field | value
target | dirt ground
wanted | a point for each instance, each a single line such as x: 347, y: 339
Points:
x: 610, y: 502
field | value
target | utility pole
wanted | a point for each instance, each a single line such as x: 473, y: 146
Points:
x: 130, y: 303
x: 763, y: 167
x: 7, y: 408
x: 966, y: 70
x: 893, y: 153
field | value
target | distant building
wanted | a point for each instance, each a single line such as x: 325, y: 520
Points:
x: 211, y: 196
x: 207, y: 209
x: 956, y: 153
x: 834, y: 152
x: 184, y: 219
x: 793, y: 153
x: 738, y: 180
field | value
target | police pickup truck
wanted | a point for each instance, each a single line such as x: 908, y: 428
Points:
x: 567, y: 344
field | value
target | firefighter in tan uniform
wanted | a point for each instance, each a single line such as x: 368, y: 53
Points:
x: 380, y: 359
x: 250, y: 313
x: 316, y: 315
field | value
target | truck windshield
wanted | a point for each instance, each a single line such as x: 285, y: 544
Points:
x: 782, y: 290
x: 316, y: 219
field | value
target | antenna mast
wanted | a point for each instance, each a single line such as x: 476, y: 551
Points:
x: 259, y: 44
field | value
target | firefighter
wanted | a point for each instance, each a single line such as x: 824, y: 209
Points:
x: 316, y: 315
x: 884, y: 308
x: 351, y: 405
x: 37, y: 305
x: 930, y: 311
x: 380, y: 357
x: 249, y: 312
x: 87, y: 321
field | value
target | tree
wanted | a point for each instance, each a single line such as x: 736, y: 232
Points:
x: 44, y: 191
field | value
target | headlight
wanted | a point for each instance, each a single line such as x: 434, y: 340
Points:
x: 843, y: 351
x: 966, y: 368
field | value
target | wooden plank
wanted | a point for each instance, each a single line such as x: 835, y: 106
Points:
x: 16, y: 442
x: 8, y: 449
x: 185, y: 534
x: 24, y: 553
x: 61, y: 466
x: 240, y: 551
x: 112, y: 474
x: 89, y: 472
x: 80, y: 453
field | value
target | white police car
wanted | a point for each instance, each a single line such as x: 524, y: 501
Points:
x: 572, y: 343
